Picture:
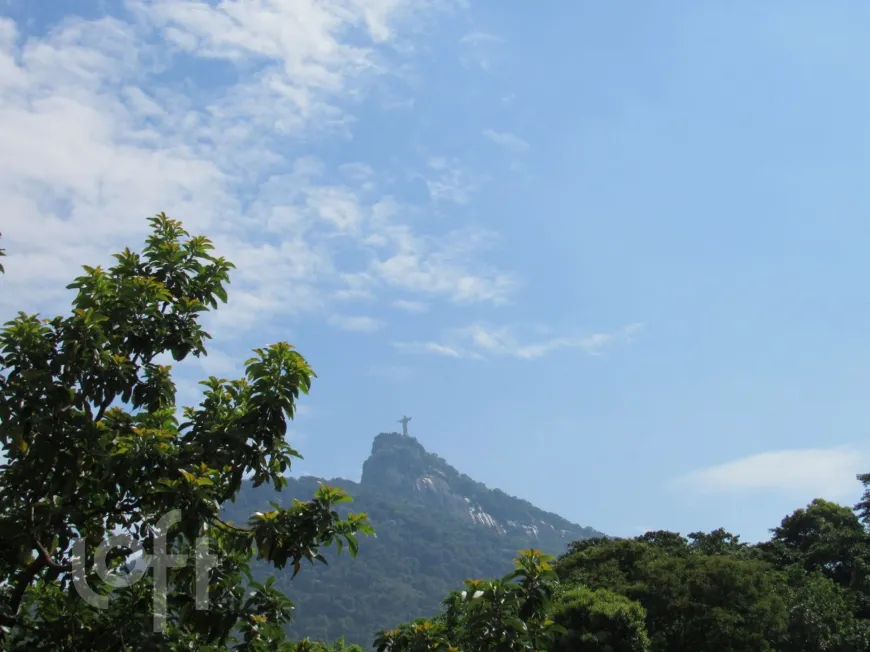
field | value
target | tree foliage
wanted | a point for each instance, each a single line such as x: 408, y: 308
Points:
x: 94, y: 445
x: 824, y: 537
x: 863, y: 507
x: 600, y: 621
x: 510, y: 615
x: 805, y: 589
x: 802, y: 591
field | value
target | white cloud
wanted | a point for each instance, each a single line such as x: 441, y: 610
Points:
x: 594, y: 344
x: 475, y: 38
x: 441, y: 265
x: 428, y: 347
x: 411, y: 306
x: 104, y: 123
x: 356, y: 324
x: 360, y: 173
x: 479, y: 341
x: 506, y: 140
x: 480, y: 50
x: 302, y: 34
x: 451, y: 181
x: 799, y: 473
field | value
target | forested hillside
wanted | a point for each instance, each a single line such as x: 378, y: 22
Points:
x: 435, y: 527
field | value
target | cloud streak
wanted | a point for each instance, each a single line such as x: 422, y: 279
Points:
x: 478, y: 341
x: 800, y: 473
x: 507, y: 141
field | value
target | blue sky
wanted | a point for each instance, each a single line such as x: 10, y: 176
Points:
x: 610, y: 259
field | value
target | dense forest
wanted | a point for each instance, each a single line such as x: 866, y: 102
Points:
x: 94, y: 447
x: 807, y: 588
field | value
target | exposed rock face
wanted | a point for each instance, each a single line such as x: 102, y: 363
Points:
x: 401, y: 466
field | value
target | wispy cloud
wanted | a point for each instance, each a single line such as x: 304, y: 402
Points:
x: 800, y: 473
x: 411, y: 306
x: 479, y: 341
x: 96, y: 129
x: 429, y: 347
x: 357, y: 324
x: 507, y: 141
x: 449, y: 181
x: 441, y: 266
x: 480, y: 50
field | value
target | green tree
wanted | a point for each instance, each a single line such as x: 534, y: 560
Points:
x: 711, y: 602
x: 664, y: 540
x: 615, y: 564
x: 93, y: 445
x: 824, y: 537
x: 506, y: 615
x: 863, y: 507
x: 693, y: 600
x: 600, y: 621
x: 422, y: 635
x: 338, y: 645
x: 717, y: 542
x: 820, y: 616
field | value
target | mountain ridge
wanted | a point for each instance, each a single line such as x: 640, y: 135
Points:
x: 435, y: 481
x: 434, y: 528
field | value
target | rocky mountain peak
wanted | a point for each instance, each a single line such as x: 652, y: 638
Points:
x: 400, y: 466
x: 397, y: 462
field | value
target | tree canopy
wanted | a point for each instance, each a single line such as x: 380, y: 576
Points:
x: 805, y: 590
x: 94, y: 445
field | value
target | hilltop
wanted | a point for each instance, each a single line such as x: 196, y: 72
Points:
x: 435, y: 528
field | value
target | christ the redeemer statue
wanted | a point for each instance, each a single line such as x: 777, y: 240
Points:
x: 404, y: 421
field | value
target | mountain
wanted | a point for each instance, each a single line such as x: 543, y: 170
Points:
x: 400, y: 466
x: 435, y: 527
